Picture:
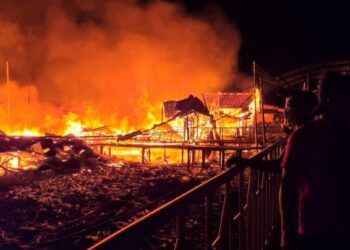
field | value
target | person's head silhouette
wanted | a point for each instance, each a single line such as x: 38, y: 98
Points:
x: 334, y: 97
x: 299, y: 106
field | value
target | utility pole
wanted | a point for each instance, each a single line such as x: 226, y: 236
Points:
x: 262, y: 110
x: 255, y: 105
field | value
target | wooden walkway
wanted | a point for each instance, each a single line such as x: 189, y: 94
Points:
x: 190, y: 148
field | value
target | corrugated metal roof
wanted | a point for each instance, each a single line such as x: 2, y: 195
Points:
x: 229, y: 100
x: 189, y: 104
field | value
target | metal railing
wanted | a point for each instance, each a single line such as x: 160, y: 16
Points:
x: 249, y: 211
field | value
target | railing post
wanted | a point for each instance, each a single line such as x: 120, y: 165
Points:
x: 225, y: 223
x: 229, y: 216
x: 180, y: 232
x: 262, y: 209
x: 250, y: 229
x: 207, y: 229
x: 241, y: 211
x: 255, y: 206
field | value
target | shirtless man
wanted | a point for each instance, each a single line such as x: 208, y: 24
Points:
x: 314, y: 197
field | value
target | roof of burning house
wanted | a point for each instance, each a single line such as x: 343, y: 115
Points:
x: 184, y: 106
x: 229, y: 100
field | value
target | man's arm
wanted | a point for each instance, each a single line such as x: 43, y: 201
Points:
x: 271, y: 166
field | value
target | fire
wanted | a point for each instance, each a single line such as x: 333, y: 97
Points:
x: 255, y: 105
x: 257, y: 96
x: 113, y: 68
x: 26, y: 132
x: 14, y: 161
x: 19, y: 160
x: 73, y: 127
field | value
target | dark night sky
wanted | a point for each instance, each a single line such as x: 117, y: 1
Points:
x: 282, y: 35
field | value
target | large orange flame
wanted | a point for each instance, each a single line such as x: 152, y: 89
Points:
x: 83, y: 64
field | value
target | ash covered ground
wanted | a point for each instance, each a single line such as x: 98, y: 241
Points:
x: 76, y: 197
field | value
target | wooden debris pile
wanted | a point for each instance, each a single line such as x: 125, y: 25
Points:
x: 74, y: 197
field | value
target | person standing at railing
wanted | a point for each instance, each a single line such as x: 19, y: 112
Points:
x: 314, y: 197
x: 298, y: 109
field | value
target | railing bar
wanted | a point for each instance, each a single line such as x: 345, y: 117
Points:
x: 270, y: 202
x: 259, y: 213
x: 241, y: 210
x: 224, y: 219
x: 207, y: 229
x: 266, y: 225
x: 180, y: 232
x: 253, y: 208
x: 272, y: 199
x: 263, y: 201
x: 249, y: 214
x: 229, y: 215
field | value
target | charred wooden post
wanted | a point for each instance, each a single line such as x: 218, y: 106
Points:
x: 182, y: 156
x: 203, y: 157
x: 143, y: 155
x: 222, y: 158
x: 188, y: 159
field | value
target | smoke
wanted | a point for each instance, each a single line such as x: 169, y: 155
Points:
x: 108, y: 62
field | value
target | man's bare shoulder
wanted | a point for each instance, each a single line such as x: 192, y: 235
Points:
x: 308, y: 132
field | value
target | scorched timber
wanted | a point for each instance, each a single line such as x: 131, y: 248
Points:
x: 78, y: 197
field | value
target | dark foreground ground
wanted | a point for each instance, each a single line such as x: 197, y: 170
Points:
x: 76, y: 207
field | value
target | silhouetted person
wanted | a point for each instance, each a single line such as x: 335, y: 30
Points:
x: 298, y: 109
x: 314, y: 197
x: 298, y: 112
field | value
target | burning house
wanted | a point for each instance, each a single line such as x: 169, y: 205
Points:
x: 186, y: 117
x: 205, y: 120
x: 224, y: 116
x: 236, y: 113
x: 231, y: 109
